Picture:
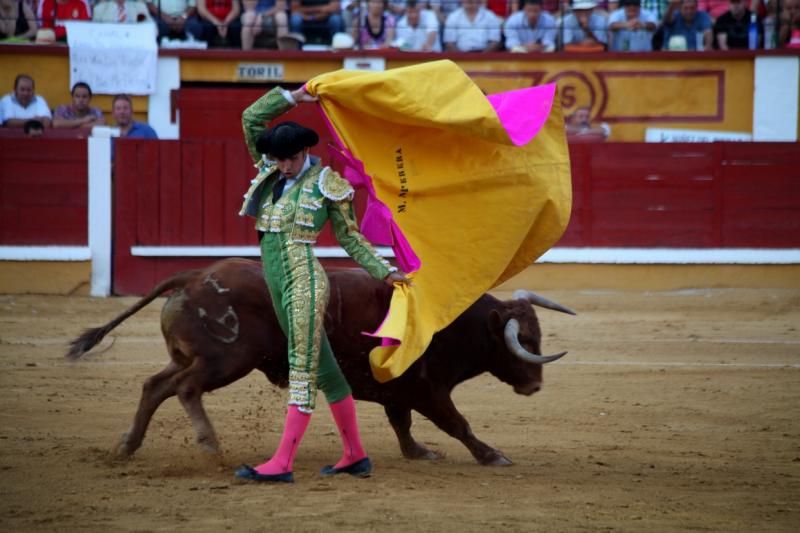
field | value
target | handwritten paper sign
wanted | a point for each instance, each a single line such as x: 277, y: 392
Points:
x: 113, y: 58
x: 664, y: 135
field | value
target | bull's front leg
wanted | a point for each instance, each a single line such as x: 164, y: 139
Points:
x: 400, y: 418
x: 442, y: 412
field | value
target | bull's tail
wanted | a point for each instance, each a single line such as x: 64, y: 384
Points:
x: 91, y: 337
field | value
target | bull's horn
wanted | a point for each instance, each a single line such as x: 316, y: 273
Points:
x: 512, y: 342
x: 535, y: 299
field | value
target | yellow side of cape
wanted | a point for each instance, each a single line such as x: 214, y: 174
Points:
x: 475, y: 208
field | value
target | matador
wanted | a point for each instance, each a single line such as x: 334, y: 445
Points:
x: 292, y: 198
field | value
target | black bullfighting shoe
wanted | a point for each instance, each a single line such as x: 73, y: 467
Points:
x: 362, y: 468
x: 248, y: 472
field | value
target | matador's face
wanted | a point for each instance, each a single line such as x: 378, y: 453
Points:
x: 291, y: 166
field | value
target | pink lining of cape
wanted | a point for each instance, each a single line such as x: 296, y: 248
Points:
x: 536, y: 103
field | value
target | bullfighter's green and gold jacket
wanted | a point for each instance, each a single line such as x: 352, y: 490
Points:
x: 318, y: 195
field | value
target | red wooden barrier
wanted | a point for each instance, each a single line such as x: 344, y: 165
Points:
x: 624, y: 195
x: 760, y: 195
x: 43, y: 191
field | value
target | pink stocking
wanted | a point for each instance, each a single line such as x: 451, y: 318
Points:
x: 344, y: 414
x: 281, y: 462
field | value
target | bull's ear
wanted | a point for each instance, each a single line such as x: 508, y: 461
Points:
x: 496, y: 322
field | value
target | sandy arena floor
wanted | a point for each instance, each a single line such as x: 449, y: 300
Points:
x: 673, y: 411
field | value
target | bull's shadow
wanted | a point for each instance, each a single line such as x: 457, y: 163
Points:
x: 219, y: 325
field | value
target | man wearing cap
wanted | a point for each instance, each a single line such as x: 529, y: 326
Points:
x: 631, y: 28
x: 583, y: 26
x: 292, y: 198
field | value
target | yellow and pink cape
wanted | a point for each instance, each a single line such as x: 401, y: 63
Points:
x: 468, y: 189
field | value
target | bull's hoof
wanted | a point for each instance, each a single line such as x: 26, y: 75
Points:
x: 425, y: 455
x: 496, y: 459
x: 422, y: 453
x: 430, y: 456
x: 208, y: 448
x: 122, y: 450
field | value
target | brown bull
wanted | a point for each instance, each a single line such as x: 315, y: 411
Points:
x: 219, y: 325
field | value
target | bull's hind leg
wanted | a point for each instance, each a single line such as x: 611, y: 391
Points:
x: 155, y: 390
x: 442, y: 412
x: 400, y: 418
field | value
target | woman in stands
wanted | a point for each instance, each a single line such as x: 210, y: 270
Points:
x: 377, y: 27
x: 293, y: 197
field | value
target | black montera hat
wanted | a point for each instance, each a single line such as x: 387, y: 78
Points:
x: 285, y: 140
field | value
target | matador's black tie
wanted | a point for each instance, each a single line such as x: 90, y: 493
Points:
x: 277, y: 191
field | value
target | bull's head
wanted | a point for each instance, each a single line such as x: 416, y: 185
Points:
x: 521, y: 337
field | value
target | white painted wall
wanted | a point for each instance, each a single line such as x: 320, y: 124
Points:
x: 158, y: 112
x: 777, y: 82
x: 100, y: 207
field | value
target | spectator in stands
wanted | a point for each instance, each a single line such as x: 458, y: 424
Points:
x: 80, y: 114
x: 318, y: 20
x: 584, y: 28
x: 377, y: 27
x: 472, y: 28
x: 33, y: 128
x: 55, y: 12
x: 121, y: 12
x: 122, y: 111
x: 531, y: 29
x: 684, y: 23
x: 789, y: 24
x: 176, y: 19
x: 418, y: 29
x: 265, y: 20
x: 579, y: 126
x: 17, y: 21
x: 220, y: 22
x: 731, y: 28
x: 23, y: 105
x: 631, y: 28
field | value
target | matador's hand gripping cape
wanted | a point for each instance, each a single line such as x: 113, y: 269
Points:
x: 468, y: 189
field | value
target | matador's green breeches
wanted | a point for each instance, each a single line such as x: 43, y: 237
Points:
x: 299, y: 289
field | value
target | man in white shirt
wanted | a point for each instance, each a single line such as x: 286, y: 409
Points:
x: 23, y: 105
x: 121, y: 12
x: 531, y: 29
x: 631, y: 28
x: 472, y: 28
x: 418, y: 29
